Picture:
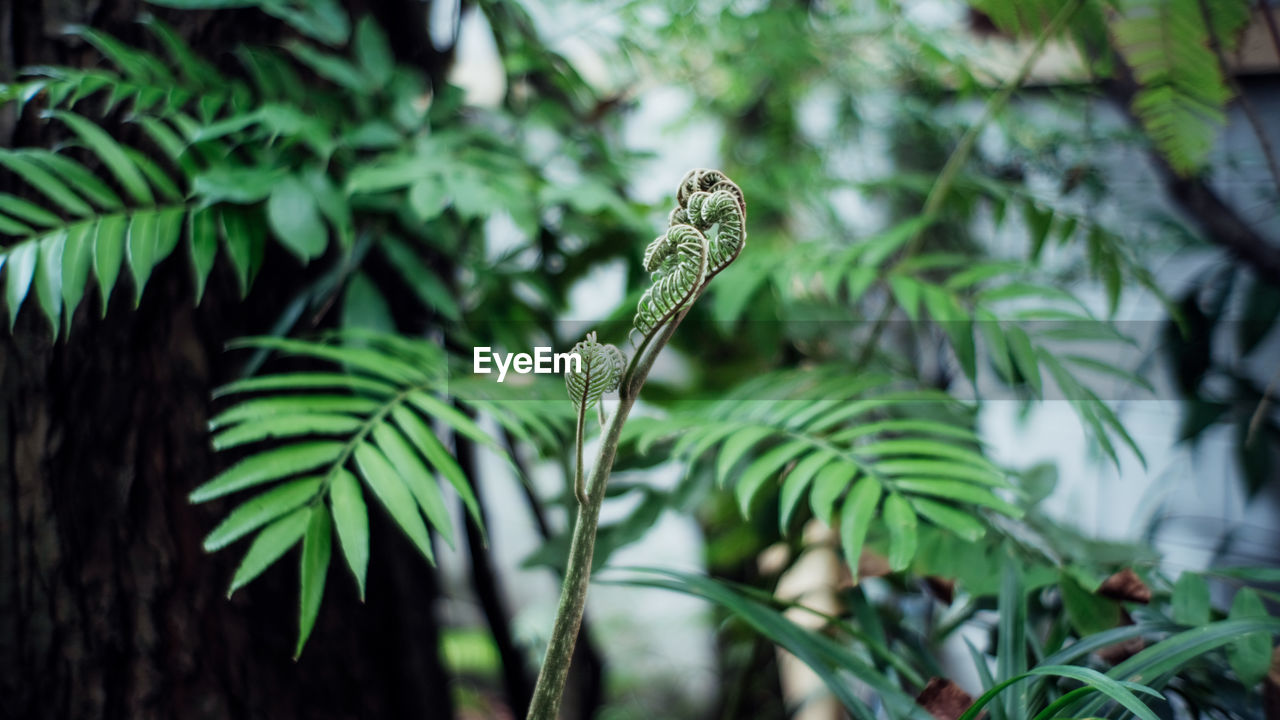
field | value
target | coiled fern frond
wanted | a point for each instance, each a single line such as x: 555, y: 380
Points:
x: 677, y: 261
x: 682, y: 260
x: 707, y: 198
x: 600, y: 372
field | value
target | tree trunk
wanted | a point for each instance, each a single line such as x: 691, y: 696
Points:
x: 109, y: 607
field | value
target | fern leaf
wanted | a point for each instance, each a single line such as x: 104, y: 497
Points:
x: 77, y: 260
x: 682, y: 259
x: 846, y: 446
x: 266, y: 466
x: 677, y: 261
x: 108, y: 253
x: 20, y: 268
x: 112, y: 155
x: 195, y: 71
x: 351, y: 519
x: 44, y: 181
x: 388, y: 487
x: 48, y: 278
x: 417, y: 477
x: 260, y: 510
x: 275, y: 540
x: 855, y: 520
x: 1182, y: 92
x: 316, y: 549
x: 318, y: 436
x: 599, y: 371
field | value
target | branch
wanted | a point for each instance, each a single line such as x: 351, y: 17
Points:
x: 588, y: 665
x: 573, y: 597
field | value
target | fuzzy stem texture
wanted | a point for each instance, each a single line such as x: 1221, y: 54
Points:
x: 573, y: 596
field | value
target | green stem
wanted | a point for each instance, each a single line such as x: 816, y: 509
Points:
x: 578, y: 487
x: 573, y: 595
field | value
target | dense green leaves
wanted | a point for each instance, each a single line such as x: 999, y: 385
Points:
x: 370, y: 426
x: 1250, y: 656
x: 844, y: 445
x: 135, y: 205
x: 1182, y: 91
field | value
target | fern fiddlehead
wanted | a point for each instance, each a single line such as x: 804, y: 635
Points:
x: 599, y: 372
x: 707, y: 198
x: 682, y: 261
x: 677, y: 261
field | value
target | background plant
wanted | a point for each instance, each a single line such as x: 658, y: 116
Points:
x: 343, y: 145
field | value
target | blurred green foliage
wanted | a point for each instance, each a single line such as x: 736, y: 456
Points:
x: 835, y: 372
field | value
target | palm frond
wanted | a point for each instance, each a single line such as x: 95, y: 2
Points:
x: 846, y: 445
x: 317, y: 442
x: 1181, y: 92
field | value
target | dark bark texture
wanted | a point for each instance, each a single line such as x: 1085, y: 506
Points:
x: 109, y: 607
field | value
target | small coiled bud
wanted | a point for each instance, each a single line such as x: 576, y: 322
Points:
x: 600, y: 371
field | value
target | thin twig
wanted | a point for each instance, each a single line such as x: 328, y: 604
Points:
x: 951, y: 170
x: 578, y: 488
x: 1270, y: 21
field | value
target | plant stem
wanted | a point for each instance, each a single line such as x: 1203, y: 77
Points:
x: 573, y: 596
x: 579, y: 488
x: 577, y: 576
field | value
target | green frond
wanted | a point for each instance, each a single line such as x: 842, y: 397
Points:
x: 683, y: 259
x: 1034, y: 336
x: 600, y: 372
x: 677, y: 261
x: 1181, y: 92
x: 228, y: 165
x: 316, y: 441
x: 846, y: 446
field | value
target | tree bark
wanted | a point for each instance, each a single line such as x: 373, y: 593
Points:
x: 109, y: 607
